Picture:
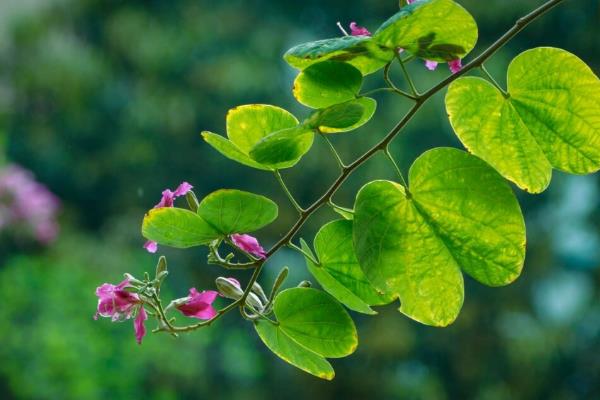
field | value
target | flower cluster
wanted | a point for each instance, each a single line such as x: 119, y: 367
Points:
x: 26, y: 205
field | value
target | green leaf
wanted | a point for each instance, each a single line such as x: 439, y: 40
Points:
x: 315, y: 320
x: 311, y: 326
x: 248, y: 125
x: 230, y: 150
x: 327, y: 83
x: 360, y: 51
x: 439, y: 30
x: 283, y: 149
x: 291, y: 352
x: 338, y: 271
x: 459, y: 214
x: 177, y: 227
x: 234, y: 211
x: 550, y: 119
x: 343, y: 117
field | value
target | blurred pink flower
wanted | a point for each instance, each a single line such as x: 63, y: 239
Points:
x: 356, y: 30
x: 455, y: 65
x: 249, y: 244
x: 25, y: 203
x: 199, y: 304
x: 167, y: 200
x: 431, y: 65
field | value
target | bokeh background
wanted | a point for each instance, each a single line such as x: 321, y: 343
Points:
x: 104, y: 100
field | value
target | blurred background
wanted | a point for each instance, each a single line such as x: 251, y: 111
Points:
x: 101, y: 107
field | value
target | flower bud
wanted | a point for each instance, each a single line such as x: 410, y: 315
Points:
x: 229, y: 288
x: 305, y: 284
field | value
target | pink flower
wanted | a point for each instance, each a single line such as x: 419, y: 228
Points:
x: 431, y: 65
x: 26, y: 205
x: 455, y: 65
x: 248, y: 244
x: 356, y: 30
x: 116, y: 302
x: 167, y: 200
x: 138, y: 325
x: 199, y: 304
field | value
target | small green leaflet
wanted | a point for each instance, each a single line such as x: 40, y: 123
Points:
x: 283, y: 148
x: 459, y: 214
x: 438, y: 30
x: 551, y: 118
x: 311, y: 326
x: 343, y: 117
x: 327, y: 83
x: 234, y: 211
x: 177, y: 227
x: 360, y: 51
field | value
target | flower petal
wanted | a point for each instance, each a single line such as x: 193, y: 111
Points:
x: 151, y: 246
x: 138, y: 325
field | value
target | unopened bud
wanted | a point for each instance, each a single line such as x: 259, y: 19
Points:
x: 256, y: 288
x: 229, y: 288
x: 305, y: 284
x: 161, y: 267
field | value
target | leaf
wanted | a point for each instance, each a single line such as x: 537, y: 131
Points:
x: 327, y: 83
x: 177, y: 227
x: 359, y: 51
x: 459, y: 214
x: 283, y: 149
x: 439, y: 30
x: 550, y: 119
x: 343, y: 117
x: 311, y: 326
x: 339, y: 272
x: 234, y: 211
x: 247, y: 125
x: 291, y: 352
x: 230, y: 150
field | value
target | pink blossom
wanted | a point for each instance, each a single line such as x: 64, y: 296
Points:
x: 167, y: 200
x: 27, y: 205
x: 199, y: 304
x: 138, y: 325
x: 455, y: 65
x: 248, y: 244
x: 356, y: 30
x: 431, y: 65
x: 151, y: 246
x: 116, y: 302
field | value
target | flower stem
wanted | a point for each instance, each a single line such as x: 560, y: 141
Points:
x: 287, y: 192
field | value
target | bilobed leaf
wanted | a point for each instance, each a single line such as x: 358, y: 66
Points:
x: 338, y: 271
x: 360, y: 51
x: 234, y: 211
x: 315, y: 320
x: 551, y: 118
x: 458, y: 214
x: 177, y: 227
x: 230, y: 150
x: 439, y: 30
x: 290, y: 351
x: 327, y: 83
x: 311, y: 326
x: 249, y: 124
x: 283, y: 149
x: 343, y: 117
